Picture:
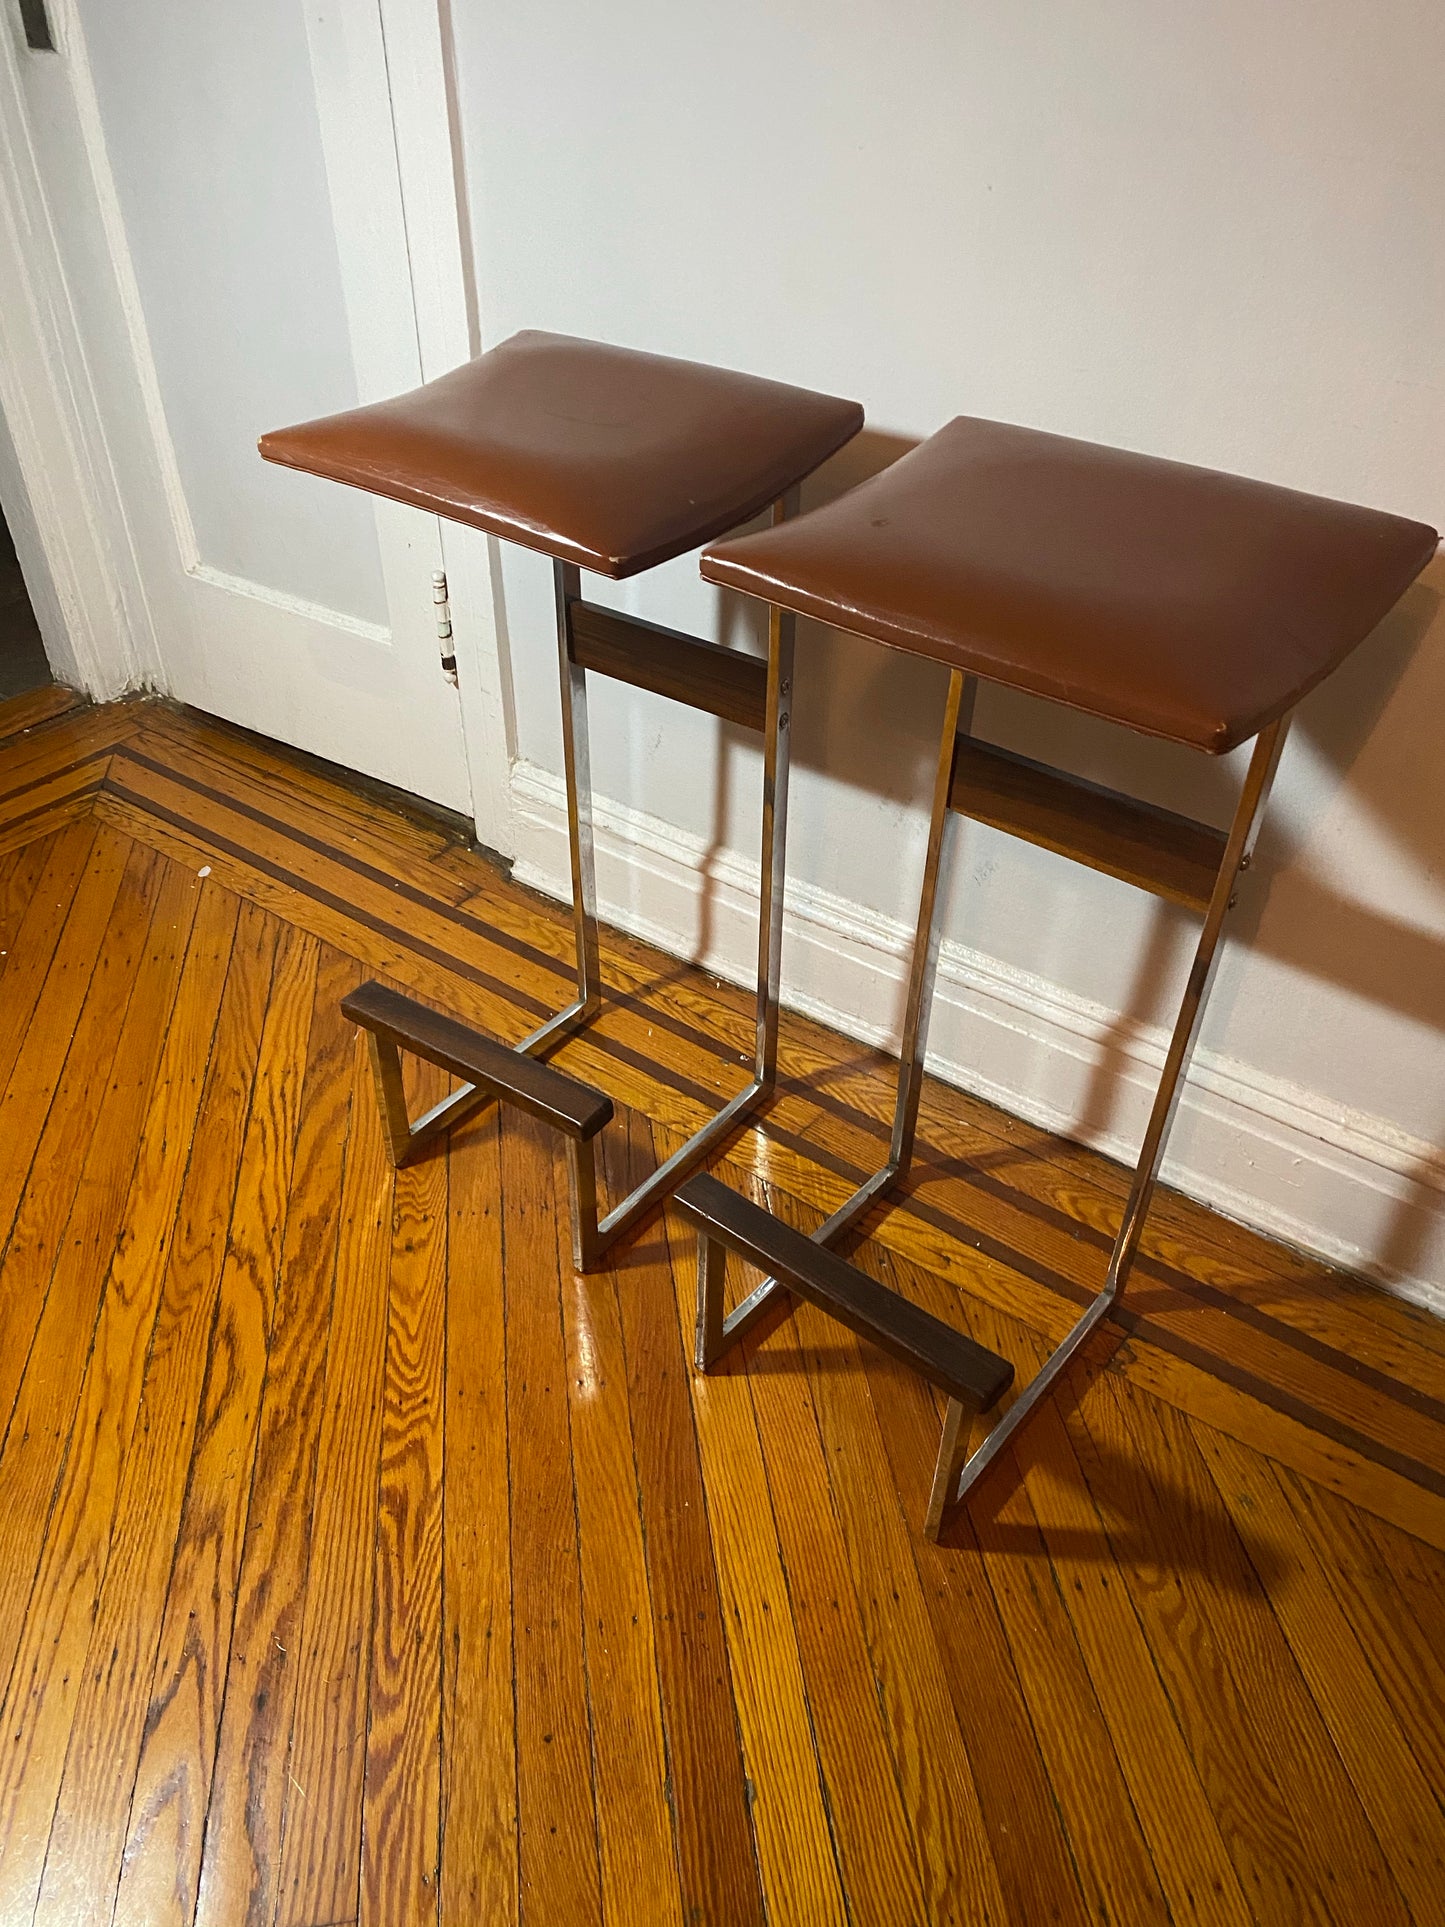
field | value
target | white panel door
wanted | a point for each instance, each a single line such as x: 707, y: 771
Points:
x: 225, y: 185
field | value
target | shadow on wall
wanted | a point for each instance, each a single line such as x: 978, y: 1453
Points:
x: 876, y: 725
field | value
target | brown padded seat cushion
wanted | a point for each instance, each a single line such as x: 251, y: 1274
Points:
x: 603, y: 456
x: 1186, y: 603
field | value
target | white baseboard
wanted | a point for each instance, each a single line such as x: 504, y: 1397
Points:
x: 1350, y: 1188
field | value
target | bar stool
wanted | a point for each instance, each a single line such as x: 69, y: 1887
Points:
x: 1186, y: 604
x: 613, y: 461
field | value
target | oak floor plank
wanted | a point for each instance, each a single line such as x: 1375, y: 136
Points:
x: 1398, y: 1800
x: 74, y: 738
x: 872, y: 1828
x: 1391, y: 1607
x: 40, y: 1419
x: 1208, y: 1320
x: 695, y: 1019
x: 480, y: 1879
x: 1116, y: 1871
x: 1034, y: 1720
x: 88, y: 1831
x: 58, y: 935
x: 1252, y: 1409
x: 49, y: 799
x: 249, y: 1780
x: 992, y: 1151
x: 1107, y: 1839
x: 51, y: 775
x: 320, y: 1858
x: 638, y: 1861
x: 560, y: 1865
x: 20, y: 872
x: 35, y: 927
x: 717, y: 1867
x: 55, y: 1634
x: 27, y: 1259
x: 1086, y: 1192
x: 953, y: 1849
x: 788, y: 1807
x: 165, y: 1821
x: 1416, y: 1572
x: 1019, y: 1812
x: 401, y: 1801
x: 36, y: 706
x: 308, y: 802
x: 1291, y: 1820
x: 1158, y: 1773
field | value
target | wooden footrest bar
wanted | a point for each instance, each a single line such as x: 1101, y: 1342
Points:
x: 492, y: 1069
x: 973, y: 1378
x: 394, y: 1023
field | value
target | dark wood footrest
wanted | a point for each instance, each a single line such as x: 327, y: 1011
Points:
x: 949, y: 1359
x: 561, y: 1101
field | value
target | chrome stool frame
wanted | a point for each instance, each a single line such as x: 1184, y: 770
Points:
x: 736, y: 687
x: 976, y: 779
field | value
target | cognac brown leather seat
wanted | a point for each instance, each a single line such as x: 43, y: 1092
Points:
x: 601, y: 456
x: 1185, y: 603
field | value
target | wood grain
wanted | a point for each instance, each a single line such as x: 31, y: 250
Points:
x: 53, y: 1367
x: 560, y: 1869
x: 480, y: 1878
x: 717, y: 1870
x: 55, y: 1633
x: 637, y: 1859
x: 723, y: 682
x: 165, y: 1822
x: 1402, y: 1807
x: 36, y: 706
x: 51, y: 1181
x: 320, y: 1863
x: 249, y: 1782
x: 350, y: 1542
x: 1155, y: 849
x: 401, y: 1802
x: 1237, y: 1693
x: 89, y: 1826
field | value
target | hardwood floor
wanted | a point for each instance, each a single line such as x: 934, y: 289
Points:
x: 360, y: 1562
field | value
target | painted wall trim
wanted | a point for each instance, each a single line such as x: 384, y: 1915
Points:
x: 1350, y: 1188
x: 52, y: 410
x: 293, y: 605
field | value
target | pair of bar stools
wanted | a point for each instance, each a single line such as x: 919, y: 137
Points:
x: 1190, y: 605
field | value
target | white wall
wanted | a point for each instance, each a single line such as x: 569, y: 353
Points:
x: 1210, y: 232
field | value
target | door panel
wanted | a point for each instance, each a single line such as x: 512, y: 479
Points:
x: 244, y: 166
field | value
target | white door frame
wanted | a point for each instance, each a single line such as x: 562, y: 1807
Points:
x: 418, y: 43
x: 49, y: 401
x: 398, y: 51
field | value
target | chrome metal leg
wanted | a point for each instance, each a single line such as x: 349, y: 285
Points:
x: 390, y: 1097
x: 592, y: 1237
x: 709, y: 1342
x: 777, y: 746
x: 942, y: 832
x: 582, y: 1195
x: 952, y: 1451
x: 577, y: 768
x: 1239, y: 849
